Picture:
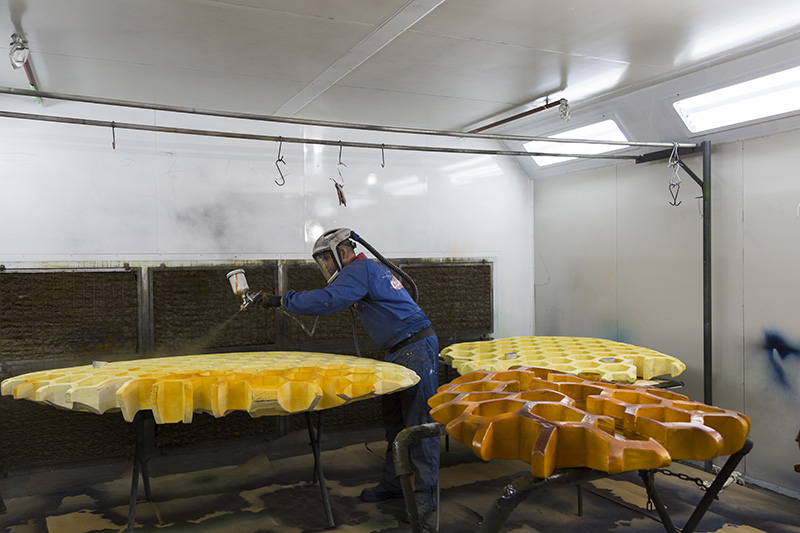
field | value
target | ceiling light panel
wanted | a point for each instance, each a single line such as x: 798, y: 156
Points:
x: 606, y: 130
x: 759, y: 98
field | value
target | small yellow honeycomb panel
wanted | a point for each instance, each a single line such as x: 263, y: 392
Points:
x: 261, y: 383
x: 555, y: 420
x: 610, y: 360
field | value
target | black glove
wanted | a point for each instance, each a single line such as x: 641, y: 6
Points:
x: 266, y: 300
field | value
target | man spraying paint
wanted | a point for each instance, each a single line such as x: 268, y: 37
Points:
x: 394, y: 322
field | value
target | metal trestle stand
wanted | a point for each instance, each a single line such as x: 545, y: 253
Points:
x: 145, y: 427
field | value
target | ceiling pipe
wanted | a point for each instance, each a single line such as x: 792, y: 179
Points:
x: 518, y: 116
x: 327, y: 123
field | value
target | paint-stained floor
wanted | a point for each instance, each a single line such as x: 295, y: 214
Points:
x: 264, y: 485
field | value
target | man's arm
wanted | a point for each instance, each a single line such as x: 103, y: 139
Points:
x: 350, y: 286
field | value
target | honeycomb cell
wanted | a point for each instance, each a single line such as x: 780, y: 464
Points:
x: 174, y: 388
x: 496, y: 407
x: 542, y: 395
x: 485, y: 396
x: 557, y: 412
x: 609, y: 360
x: 634, y: 397
x: 555, y: 420
x: 479, y: 387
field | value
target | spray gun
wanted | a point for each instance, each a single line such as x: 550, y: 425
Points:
x: 240, y: 287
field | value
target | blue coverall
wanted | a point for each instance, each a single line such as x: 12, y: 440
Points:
x: 389, y: 316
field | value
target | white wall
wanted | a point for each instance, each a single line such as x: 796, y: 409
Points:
x: 68, y: 198
x: 614, y: 260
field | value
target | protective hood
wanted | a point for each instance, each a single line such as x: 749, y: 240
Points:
x: 326, y: 251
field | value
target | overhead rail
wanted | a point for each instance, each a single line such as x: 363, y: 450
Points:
x: 343, y: 125
x: 296, y: 140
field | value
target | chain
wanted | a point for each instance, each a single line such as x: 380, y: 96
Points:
x: 735, y: 477
x: 650, y: 506
x: 683, y: 477
x: 649, y: 488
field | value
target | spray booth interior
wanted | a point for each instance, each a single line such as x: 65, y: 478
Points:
x: 136, y: 176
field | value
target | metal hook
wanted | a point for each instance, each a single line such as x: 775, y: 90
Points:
x: 675, y: 180
x: 699, y: 204
x: 113, y: 137
x: 340, y: 186
x: 339, y: 171
x: 674, y: 157
x: 280, y: 160
x: 383, y: 156
x: 674, y: 189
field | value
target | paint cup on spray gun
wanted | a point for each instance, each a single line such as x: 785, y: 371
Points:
x: 239, y: 286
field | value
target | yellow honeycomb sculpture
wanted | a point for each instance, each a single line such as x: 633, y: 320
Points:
x: 610, y: 360
x: 261, y: 383
x: 555, y: 420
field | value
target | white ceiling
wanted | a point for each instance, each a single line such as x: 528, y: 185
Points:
x: 434, y: 64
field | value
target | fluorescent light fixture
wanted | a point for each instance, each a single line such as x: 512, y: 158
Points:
x: 606, y: 130
x: 762, y: 97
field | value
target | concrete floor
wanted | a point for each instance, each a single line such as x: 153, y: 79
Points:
x: 259, y: 485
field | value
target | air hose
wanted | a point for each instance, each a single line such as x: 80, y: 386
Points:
x: 391, y: 266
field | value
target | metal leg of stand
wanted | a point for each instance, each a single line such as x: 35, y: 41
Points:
x: 649, y: 484
x: 518, y: 490
x: 708, y: 497
x: 144, y: 426
x: 2, y: 505
x: 320, y: 427
x: 134, y: 491
x: 316, y: 439
x: 724, y: 473
x: 282, y: 427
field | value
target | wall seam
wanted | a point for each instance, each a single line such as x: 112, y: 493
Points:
x: 744, y: 281
x: 532, y: 286
x: 616, y: 252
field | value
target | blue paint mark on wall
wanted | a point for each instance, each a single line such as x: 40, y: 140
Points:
x: 774, y: 343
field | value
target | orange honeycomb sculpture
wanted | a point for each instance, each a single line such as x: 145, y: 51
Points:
x: 555, y: 420
x: 261, y: 383
x: 611, y: 360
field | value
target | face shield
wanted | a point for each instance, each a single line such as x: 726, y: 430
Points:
x: 327, y: 264
x: 326, y: 251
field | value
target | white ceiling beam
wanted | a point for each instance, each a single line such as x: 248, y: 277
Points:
x: 408, y: 15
